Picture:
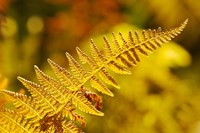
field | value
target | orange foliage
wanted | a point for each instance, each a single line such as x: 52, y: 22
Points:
x: 84, y: 17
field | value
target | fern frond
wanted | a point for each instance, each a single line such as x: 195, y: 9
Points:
x: 51, y: 102
x: 152, y: 39
x: 127, y: 54
x: 76, y: 96
x: 14, y: 122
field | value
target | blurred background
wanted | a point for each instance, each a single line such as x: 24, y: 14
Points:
x: 163, y: 93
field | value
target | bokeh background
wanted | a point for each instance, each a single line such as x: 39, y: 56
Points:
x: 163, y: 93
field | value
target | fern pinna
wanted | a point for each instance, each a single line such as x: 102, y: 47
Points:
x: 50, y: 108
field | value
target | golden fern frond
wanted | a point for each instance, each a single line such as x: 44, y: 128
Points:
x: 148, y: 41
x: 76, y: 96
x: 14, y: 122
x: 125, y: 54
x: 25, y: 105
x: 52, y: 101
x: 83, y: 105
x: 121, y: 56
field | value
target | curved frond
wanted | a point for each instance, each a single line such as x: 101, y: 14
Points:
x: 127, y: 54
